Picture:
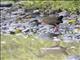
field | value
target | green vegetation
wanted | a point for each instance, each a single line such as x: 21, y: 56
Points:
x: 70, y: 5
x: 21, y: 47
x: 52, y: 5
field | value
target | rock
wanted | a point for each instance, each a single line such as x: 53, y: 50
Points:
x: 36, y: 13
x: 68, y: 38
x: 64, y: 13
x: 56, y: 39
x: 54, y: 49
x: 75, y: 57
x: 33, y: 23
x: 6, y: 5
x: 26, y: 31
x: 77, y: 37
x: 11, y: 32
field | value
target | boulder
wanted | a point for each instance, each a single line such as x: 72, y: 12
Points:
x: 75, y: 57
x: 6, y: 5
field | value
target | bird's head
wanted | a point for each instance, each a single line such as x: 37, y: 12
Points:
x: 60, y: 19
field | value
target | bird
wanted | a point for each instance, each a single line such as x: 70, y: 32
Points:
x: 52, y: 20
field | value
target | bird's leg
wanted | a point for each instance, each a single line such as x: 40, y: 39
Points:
x: 56, y: 27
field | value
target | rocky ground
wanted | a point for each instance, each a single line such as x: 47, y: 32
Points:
x: 19, y: 20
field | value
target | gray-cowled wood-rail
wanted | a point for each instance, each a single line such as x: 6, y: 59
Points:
x: 53, y: 20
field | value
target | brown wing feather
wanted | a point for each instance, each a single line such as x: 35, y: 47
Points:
x: 51, y: 20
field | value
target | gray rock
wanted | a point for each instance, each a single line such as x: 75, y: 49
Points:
x: 75, y: 57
